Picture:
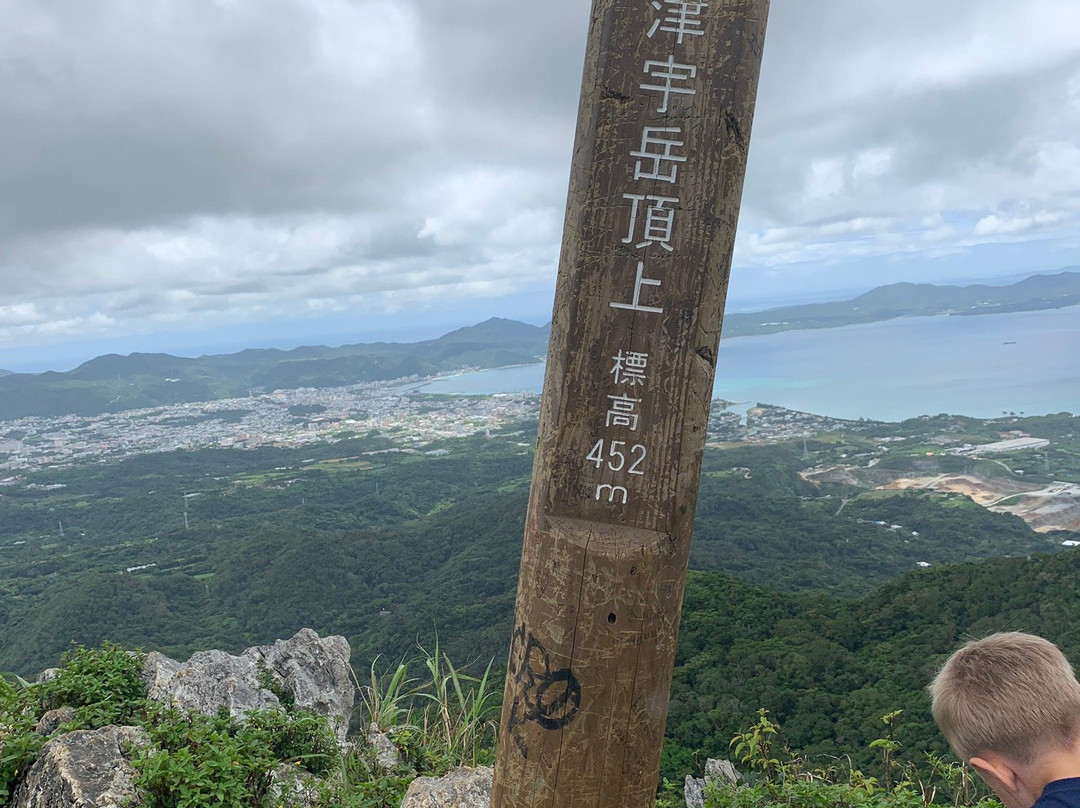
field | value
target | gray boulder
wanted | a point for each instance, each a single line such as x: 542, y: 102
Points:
x: 209, y: 681
x: 461, y: 788
x: 694, y: 792
x: 293, y: 787
x: 716, y: 771
x: 721, y: 771
x: 84, y: 769
x: 313, y: 672
x: 53, y: 720
x: 386, y: 754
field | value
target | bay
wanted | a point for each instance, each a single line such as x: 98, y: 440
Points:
x: 982, y: 366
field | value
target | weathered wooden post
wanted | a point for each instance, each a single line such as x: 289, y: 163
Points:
x: 663, y: 129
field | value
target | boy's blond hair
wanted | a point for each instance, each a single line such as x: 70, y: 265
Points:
x: 1010, y: 693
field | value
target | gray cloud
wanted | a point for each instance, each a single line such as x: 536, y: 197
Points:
x: 192, y: 160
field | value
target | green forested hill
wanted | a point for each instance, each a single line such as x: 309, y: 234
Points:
x: 114, y: 383
x: 828, y: 668
x: 390, y: 548
x: 331, y: 537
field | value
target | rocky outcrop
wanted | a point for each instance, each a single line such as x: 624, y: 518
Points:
x: 208, y: 682
x: 90, y: 769
x: 461, y: 788
x: 85, y: 769
x: 716, y: 771
x: 386, y: 754
x: 53, y: 720
x: 290, y: 785
x: 312, y: 673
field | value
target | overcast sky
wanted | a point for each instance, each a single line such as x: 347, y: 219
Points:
x: 202, y: 175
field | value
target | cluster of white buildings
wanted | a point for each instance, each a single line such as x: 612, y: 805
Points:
x: 283, y: 418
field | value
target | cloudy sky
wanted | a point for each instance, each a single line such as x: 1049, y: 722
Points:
x: 206, y: 175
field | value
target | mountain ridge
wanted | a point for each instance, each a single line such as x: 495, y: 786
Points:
x: 115, y: 382
x: 1036, y: 292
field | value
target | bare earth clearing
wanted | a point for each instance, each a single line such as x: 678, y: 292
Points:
x: 1045, y: 507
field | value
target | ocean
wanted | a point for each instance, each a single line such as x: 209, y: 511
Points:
x: 981, y: 366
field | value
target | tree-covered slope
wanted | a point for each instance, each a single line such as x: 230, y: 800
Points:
x: 828, y: 668
x: 388, y: 547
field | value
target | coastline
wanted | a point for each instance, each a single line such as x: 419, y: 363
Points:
x: 886, y: 370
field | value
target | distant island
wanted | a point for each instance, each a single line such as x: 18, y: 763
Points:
x: 1053, y: 291
x: 115, y: 383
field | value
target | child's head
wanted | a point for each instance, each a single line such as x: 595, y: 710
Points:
x: 1011, y: 694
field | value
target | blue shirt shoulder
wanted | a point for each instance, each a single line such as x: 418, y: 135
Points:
x: 1060, y: 794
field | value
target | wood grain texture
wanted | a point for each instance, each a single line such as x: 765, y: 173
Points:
x: 619, y: 450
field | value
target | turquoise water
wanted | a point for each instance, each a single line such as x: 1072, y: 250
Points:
x: 980, y: 366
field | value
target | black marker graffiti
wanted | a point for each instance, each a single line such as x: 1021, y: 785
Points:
x: 550, y: 698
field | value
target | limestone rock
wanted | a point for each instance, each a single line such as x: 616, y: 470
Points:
x: 387, y: 756
x: 209, y: 681
x: 53, y: 720
x: 721, y: 771
x: 694, y: 792
x: 47, y: 675
x: 292, y: 786
x: 84, y: 769
x: 461, y: 788
x: 315, y: 672
x: 716, y: 771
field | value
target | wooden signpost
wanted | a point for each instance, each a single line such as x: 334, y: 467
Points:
x: 663, y: 130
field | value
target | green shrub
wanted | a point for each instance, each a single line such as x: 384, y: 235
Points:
x: 199, y: 761
x: 363, y: 784
x: 779, y: 779
x: 19, y: 744
x: 298, y: 737
x: 105, y: 686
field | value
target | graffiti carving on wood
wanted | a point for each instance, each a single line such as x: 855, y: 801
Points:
x: 549, y: 697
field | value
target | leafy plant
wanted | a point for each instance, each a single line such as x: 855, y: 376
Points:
x: 888, y: 746
x: 784, y: 781
x: 388, y: 702
x: 300, y: 737
x: 199, y: 761
x: 104, y: 685
x: 753, y: 747
x: 19, y: 744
